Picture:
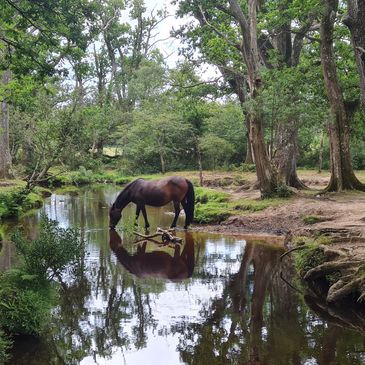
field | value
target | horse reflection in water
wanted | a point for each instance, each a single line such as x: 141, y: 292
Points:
x: 158, y: 264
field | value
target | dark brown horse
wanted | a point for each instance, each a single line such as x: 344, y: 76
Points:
x: 158, y: 264
x: 155, y: 193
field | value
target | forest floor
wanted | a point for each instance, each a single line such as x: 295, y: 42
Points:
x: 308, y: 212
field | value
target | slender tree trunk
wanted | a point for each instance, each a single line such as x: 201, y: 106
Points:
x: 200, y: 164
x: 320, y: 157
x: 342, y: 174
x: 5, y: 156
x: 162, y: 158
x: 355, y: 21
x: 249, y: 154
x: 99, y: 148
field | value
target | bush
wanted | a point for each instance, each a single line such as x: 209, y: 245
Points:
x: 26, y: 293
x: 52, y: 252
x: 5, y: 344
x: 25, y: 303
x: 11, y: 203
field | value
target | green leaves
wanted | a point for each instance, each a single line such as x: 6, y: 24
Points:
x: 52, y: 253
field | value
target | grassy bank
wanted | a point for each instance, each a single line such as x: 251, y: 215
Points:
x: 214, y: 206
x: 15, y: 199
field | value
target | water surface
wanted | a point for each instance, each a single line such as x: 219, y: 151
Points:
x: 219, y: 300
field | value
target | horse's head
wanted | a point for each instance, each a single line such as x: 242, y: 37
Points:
x: 114, y: 216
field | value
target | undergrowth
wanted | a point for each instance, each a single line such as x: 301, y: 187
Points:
x: 28, y: 292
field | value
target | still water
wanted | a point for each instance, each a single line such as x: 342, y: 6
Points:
x: 217, y: 300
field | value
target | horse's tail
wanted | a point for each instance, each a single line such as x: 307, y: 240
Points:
x: 190, y: 202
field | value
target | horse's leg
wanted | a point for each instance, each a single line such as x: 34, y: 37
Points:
x: 138, y: 209
x: 184, y: 204
x: 177, y: 212
x: 142, y: 249
x: 146, y: 224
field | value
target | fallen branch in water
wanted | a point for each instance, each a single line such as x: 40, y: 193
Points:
x: 166, y: 236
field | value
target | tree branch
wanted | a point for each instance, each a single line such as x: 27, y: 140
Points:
x: 224, y: 36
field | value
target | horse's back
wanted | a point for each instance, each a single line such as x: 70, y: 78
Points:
x: 160, y: 192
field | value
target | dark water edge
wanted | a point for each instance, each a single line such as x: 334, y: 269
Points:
x: 219, y: 300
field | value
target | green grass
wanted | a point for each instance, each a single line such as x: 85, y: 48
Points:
x: 214, y: 206
x: 312, y: 219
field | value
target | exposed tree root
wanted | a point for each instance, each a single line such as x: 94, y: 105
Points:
x: 344, y: 269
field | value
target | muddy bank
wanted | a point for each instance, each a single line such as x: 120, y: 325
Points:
x: 339, y: 218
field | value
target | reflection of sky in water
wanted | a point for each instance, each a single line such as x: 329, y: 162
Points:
x: 177, y: 312
x: 179, y: 302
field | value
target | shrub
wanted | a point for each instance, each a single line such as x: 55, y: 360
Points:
x: 25, y: 302
x: 27, y: 294
x: 52, y: 252
x: 11, y: 203
x: 5, y: 344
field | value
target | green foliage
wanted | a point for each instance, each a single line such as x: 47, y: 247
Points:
x: 205, y: 195
x: 27, y: 293
x: 13, y: 203
x: 251, y: 206
x: 211, y: 206
x: 25, y: 302
x: 312, y: 219
x: 309, y: 257
x: 5, y: 344
x: 53, y: 252
x: 211, y: 212
x: 283, y: 191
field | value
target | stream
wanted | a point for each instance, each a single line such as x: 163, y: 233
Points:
x: 216, y: 300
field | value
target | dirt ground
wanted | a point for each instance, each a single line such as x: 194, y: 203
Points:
x: 338, y: 215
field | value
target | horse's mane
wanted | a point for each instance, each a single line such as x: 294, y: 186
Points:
x: 124, y: 193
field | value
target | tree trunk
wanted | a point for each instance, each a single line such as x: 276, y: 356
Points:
x: 342, y: 174
x: 5, y: 156
x: 355, y: 21
x: 320, y: 157
x: 162, y: 158
x: 249, y: 154
x: 200, y: 164
x: 249, y: 50
x: 285, y: 156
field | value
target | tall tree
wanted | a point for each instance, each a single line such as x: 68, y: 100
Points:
x: 355, y: 21
x: 240, y: 52
x: 5, y: 157
x: 342, y: 174
x: 34, y: 37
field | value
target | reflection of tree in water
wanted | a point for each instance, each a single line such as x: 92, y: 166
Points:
x: 259, y: 320
x: 94, y: 307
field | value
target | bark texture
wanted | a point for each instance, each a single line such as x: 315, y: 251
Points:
x: 5, y: 156
x: 342, y: 174
x: 266, y: 176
